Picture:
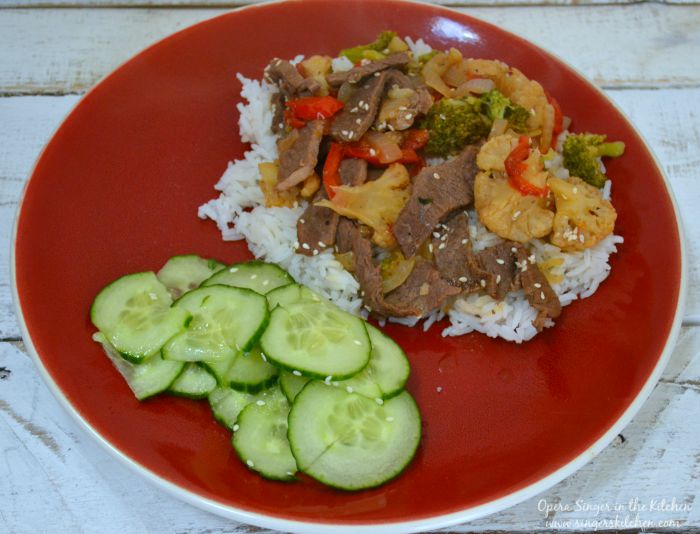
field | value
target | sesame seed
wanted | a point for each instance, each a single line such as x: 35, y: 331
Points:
x: 516, y: 215
x: 402, y: 108
x: 358, y: 121
x: 513, y: 250
x: 537, y: 285
x: 376, y: 74
x: 253, y: 276
x: 443, y: 117
x: 265, y: 282
x: 351, y: 134
x: 531, y: 258
x: 436, y: 176
x: 296, y: 373
x: 409, y: 116
x: 302, y: 220
x: 348, y: 389
x: 542, y: 295
x: 233, y: 270
x: 290, y: 474
x: 280, y: 125
x: 482, y: 282
x: 439, y: 389
x: 305, y: 246
x: 361, y: 103
x: 315, y: 252
x: 465, y: 241
x: 444, y: 237
x: 499, y: 261
x: 575, y: 190
x: 250, y: 463
x: 390, y: 419
x: 357, y: 342
x: 379, y: 401
x: 296, y: 244
x: 498, y: 279
x: 321, y: 244
x: 436, y: 235
x: 260, y: 403
x: 354, y: 110
x: 463, y: 279
x: 442, y: 245
x: 263, y: 357
x: 153, y: 296
x: 372, y: 152
x: 328, y: 379
x: 430, y: 247
x: 236, y: 427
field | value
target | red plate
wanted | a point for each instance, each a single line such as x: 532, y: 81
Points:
x: 117, y: 190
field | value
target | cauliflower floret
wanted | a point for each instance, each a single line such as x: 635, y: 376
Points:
x: 583, y: 216
x: 494, y: 152
x: 507, y: 212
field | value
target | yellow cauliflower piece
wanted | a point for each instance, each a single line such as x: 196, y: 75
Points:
x: 507, y: 212
x: 583, y: 216
x: 494, y: 152
x: 376, y: 204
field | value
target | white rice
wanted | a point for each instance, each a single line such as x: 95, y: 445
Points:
x: 271, y: 236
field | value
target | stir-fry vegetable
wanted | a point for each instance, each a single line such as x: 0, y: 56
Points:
x: 314, y: 107
x: 381, y: 43
x: 495, y: 105
x: 452, y: 124
x: 515, y: 167
x: 331, y: 168
x: 581, y: 156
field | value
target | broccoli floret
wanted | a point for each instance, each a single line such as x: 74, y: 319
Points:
x: 495, y: 105
x: 370, y: 51
x: 581, y: 153
x: 452, y: 124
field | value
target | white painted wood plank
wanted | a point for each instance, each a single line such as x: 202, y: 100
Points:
x: 68, y: 50
x: 665, y: 118
x: 50, y: 468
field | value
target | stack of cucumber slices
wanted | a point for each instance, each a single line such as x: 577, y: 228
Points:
x: 303, y: 385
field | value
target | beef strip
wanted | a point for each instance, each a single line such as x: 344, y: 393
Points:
x: 356, y: 74
x: 437, y: 191
x: 452, y: 250
x: 277, y: 103
x: 360, y: 110
x: 317, y: 227
x: 538, y: 292
x: 423, y: 291
x: 287, y: 77
x: 297, y: 162
x: 495, y: 270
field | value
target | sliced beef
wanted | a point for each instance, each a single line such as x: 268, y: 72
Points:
x: 298, y: 161
x: 437, y: 191
x: 356, y: 74
x: 360, y: 110
x: 495, y: 269
x: 317, y: 227
x: 423, y: 291
x: 277, y: 103
x: 539, y: 293
x: 452, y: 250
x: 287, y: 77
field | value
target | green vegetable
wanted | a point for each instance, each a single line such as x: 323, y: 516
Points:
x: 370, y: 51
x: 453, y: 124
x: 495, y: 105
x: 581, y: 153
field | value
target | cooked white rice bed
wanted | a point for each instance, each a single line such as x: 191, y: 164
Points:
x: 271, y: 236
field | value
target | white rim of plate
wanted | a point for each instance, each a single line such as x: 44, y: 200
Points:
x: 418, y: 525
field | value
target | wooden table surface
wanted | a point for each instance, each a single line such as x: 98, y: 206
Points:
x: 645, y: 55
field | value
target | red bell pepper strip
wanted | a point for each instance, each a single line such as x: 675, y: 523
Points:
x: 292, y: 120
x: 364, y: 151
x: 314, y: 107
x: 331, y: 169
x: 415, y: 139
x: 515, y: 167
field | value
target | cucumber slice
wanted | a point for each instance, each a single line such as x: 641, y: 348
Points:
x: 219, y: 368
x: 135, y: 316
x: 290, y: 294
x: 146, y: 379
x: 291, y: 384
x: 349, y: 441
x: 261, y: 438
x: 195, y: 382
x: 386, y: 373
x: 181, y: 274
x: 225, y: 320
x: 256, y: 275
x: 318, y: 340
x: 251, y: 372
x: 227, y: 403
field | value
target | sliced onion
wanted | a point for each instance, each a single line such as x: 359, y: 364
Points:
x: 296, y: 177
x: 387, y: 149
x: 476, y: 85
x: 400, y: 271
